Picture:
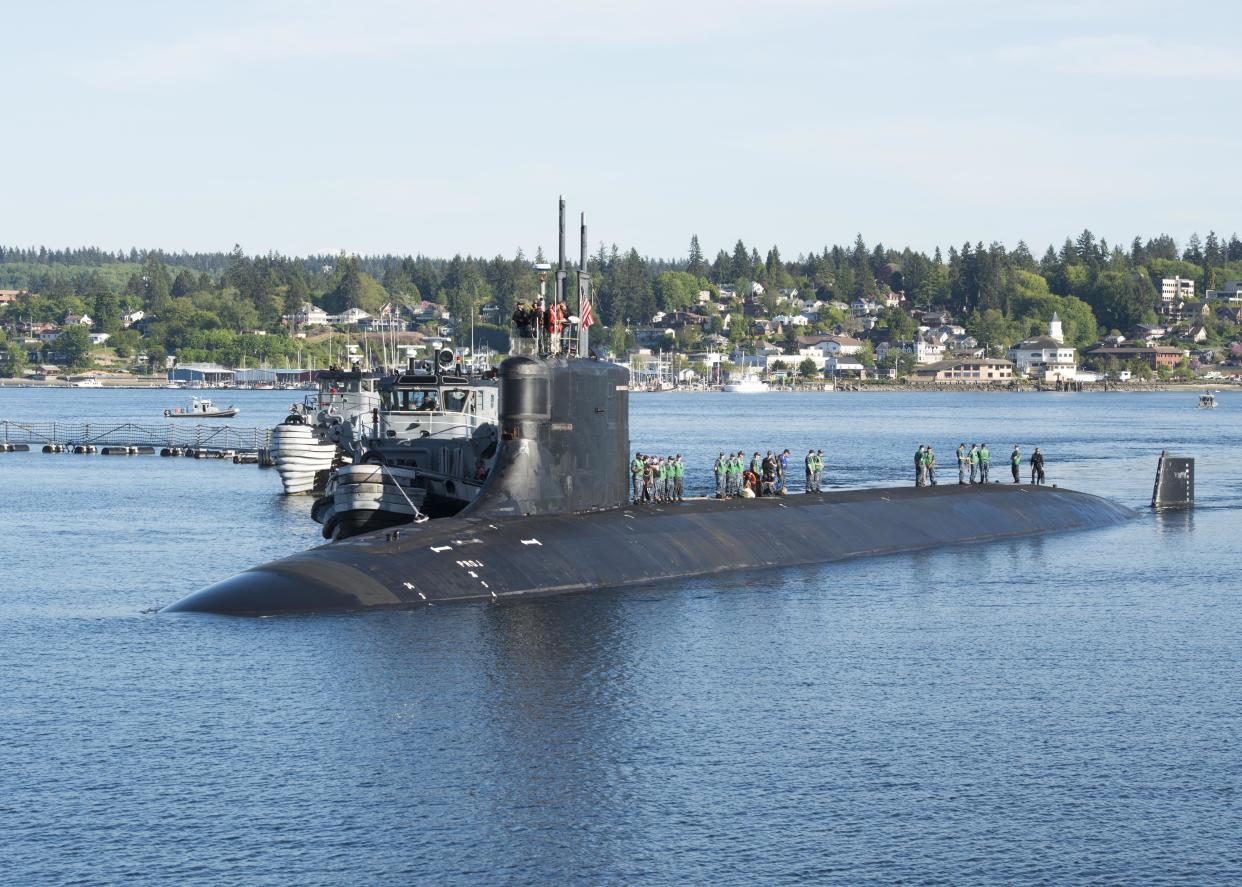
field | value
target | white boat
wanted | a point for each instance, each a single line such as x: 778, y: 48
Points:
x: 749, y: 384
x: 1207, y: 401
x: 201, y: 408
x: 88, y: 383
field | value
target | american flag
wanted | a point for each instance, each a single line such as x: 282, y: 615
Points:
x: 585, y: 315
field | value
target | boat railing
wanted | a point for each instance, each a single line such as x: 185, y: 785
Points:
x: 535, y: 341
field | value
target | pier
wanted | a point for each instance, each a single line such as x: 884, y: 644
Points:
x: 243, y: 445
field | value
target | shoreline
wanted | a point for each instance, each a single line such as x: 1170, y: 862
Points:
x: 903, y: 388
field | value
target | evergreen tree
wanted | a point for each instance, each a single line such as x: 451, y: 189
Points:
x: 740, y: 266
x: 695, y: 264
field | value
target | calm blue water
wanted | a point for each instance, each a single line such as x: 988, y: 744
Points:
x: 1055, y: 710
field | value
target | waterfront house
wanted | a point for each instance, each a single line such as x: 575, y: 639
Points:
x: 968, y: 371
x: 1155, y: 356
x: 79, y: 320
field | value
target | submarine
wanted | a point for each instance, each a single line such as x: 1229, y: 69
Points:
x: 554, y: 516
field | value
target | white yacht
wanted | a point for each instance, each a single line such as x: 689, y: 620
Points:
x: 748, y: 384
x: 1207, y: 401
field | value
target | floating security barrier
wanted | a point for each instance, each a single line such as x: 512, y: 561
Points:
x: 246, y: 459
x: 54, y: 448
x: 14, y: 448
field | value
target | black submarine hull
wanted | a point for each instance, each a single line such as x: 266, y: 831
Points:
x: 484, y: 557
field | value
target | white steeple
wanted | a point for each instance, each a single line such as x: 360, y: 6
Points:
x: 1054, y: 329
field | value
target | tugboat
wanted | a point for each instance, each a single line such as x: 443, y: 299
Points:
x: 426, y: 453
x: 201, y: 408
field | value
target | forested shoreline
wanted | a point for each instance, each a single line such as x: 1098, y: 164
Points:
x: 228, y: 306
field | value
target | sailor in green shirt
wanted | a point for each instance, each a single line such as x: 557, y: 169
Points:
x: 636, y: 474
x: 929, y: 465
x: 974, y: 462
x: 679, y: 479
x: 719, y: 469
x: 1015, y: 462
x: 963, y: 462
x: 819, y: 470
x: 983, y: 464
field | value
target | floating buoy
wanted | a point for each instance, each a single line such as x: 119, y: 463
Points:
x: 116, y: 451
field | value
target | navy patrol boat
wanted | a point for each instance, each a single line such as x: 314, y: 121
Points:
x: 554, y: 515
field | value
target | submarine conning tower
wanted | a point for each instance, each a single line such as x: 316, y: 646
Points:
x: 564, y: 438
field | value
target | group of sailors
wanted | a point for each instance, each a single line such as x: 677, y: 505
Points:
x: 534, y: 318
x: 973, y: 465
x: 657, y: 479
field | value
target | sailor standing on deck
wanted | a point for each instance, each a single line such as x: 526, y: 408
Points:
x: 739, y: 465
x: 974, y: 462
x: 810, y: 471
x: 1015, y: 462
x: 929, y: 464
x: 819, y: 470
x: 919, y: 470
x: 963, y: 462
x: 1037, y: 467
x: 636, y: 475
x: 679, y: 479
x: 649, y: 479
x: 782, y: 472
x: 983, y: 464
x: 718, y: 469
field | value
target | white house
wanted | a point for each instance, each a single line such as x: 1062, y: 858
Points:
x: 348, y: 316
x: 100, y: 338
x: 308, y: 315
x: 79, y: 319
x: 1046, y: 358
x: 128, y: 320
x: 839, y: 364
x: 861, y: 307
x: 829, y: 345
x: 925, y: 351
x: 791, y: 319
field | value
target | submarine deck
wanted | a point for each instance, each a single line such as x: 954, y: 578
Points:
x: 473, y: 558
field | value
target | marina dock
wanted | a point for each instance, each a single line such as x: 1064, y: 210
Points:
x: 243, y: 445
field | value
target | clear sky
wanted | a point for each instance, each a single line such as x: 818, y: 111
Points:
x: 375, y: 126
